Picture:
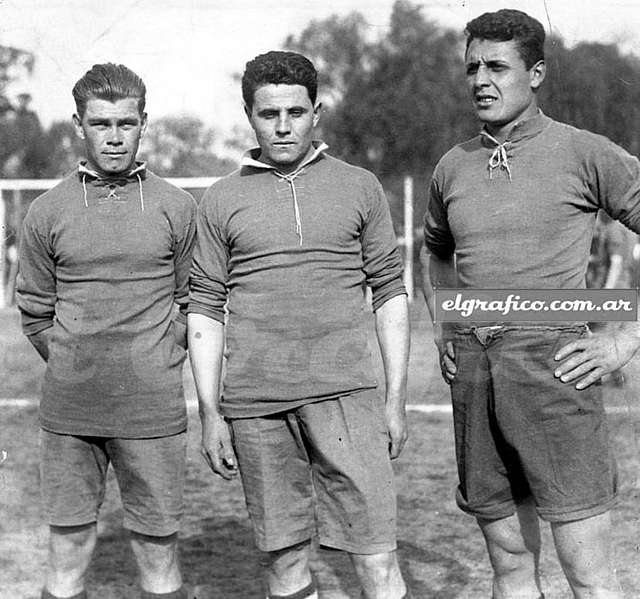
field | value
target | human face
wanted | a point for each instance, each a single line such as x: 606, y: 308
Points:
x: 283, y: 119
x: 111, y: 132
x: 503, y: 90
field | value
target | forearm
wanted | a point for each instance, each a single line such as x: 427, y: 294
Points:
x: 392, y: 329
x: 614, y: 272
x: 206, y: 346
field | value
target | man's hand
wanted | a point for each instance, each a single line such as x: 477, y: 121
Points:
x: 216, y: 447
x: 447, y: 355
x: 588, y: 360
x: 396, y: 419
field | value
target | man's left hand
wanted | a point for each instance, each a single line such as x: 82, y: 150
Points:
x: 588, y: 360
x: 397, y: 429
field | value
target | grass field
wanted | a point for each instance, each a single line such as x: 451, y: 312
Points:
x: 441, y: 552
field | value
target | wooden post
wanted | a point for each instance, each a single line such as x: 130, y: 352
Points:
x: 4, y: 233
x: 408, y: 236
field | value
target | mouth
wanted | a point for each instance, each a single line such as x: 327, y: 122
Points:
x: 484, y: 100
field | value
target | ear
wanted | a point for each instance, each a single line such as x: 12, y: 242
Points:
x: 537, y: 74
x: 143, y: 124
x: 77, y: 124
x: 247, y: 111
x: 317, y: 110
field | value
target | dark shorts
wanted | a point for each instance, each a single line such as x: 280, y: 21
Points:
x: 323, y: 467
x: 522, y: 433
x: 150, y: 475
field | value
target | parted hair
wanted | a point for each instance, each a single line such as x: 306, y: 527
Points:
x: 509, y: 24
x: 110, y: 82
x: 289, y: 68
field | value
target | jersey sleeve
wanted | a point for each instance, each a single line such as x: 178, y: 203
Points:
x: 438, y: 238
x: 182, y: 256
x: 209, y: 268
x: 615, y: 181
x: 36, y: 282
x: 382, y: 261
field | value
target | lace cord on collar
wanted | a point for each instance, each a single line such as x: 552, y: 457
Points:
x: 84, y: 172
x: 296, y: 208
x: 499, y: 158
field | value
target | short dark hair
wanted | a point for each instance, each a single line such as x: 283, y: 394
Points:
x: 508, y: 24
x: 110, y: 82
x: 289, y: 68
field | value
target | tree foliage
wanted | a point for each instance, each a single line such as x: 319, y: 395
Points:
x: 182, y: 146
x: 400, y: 105
x: 594, y: 86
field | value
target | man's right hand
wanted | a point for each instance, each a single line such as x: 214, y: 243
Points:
x: 447, y: 355
x: 216, y: 447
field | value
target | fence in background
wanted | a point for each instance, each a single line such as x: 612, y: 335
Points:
x: 15, y: 194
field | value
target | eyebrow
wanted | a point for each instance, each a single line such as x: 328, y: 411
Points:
x: 277, y: 109
x: 107, y: 121
x: 489, y: 63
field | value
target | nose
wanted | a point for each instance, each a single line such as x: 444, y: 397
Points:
x: 115, y: 137
x: 283, y: 124
x: 481, y: 77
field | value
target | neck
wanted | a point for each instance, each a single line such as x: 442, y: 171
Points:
x: 502, y: 132
x: 289, y: 168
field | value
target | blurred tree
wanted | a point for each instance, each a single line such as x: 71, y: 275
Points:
x: 18, y: 125
x: 398, y: 102
x: 594, y: 86
x: 340, y: 50
x: 64, y: 149
x: 182, y: 146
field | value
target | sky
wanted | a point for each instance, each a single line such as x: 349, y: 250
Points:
x: 187, y: 51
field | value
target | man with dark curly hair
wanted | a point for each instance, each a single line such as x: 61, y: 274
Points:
x: 286, y: 246
x: 515, y: 206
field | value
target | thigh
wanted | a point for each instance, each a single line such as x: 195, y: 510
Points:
x: 348, y: 446
x: 276, y: 479
x: 150, y: 475
x: 489, y: 484
x: 72, y: 473
x: 559, y: 432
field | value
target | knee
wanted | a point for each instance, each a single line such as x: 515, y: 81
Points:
x: 382, y: 569
x: 156, y: 556
x: 71, y: 546
x: 289, y: 559
x: 288, y: 569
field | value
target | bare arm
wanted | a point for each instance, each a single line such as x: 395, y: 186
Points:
x: 439, y: 272
x: 392, y: 329
x: 614, y: 272
x: 206, y: 346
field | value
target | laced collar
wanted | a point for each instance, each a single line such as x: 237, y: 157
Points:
x: 251, y: 158
x: 521, y: 131
x: 137, y: 173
